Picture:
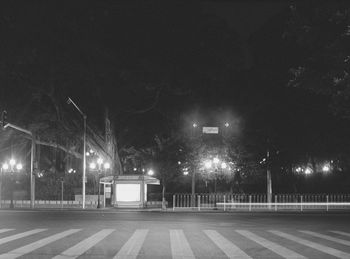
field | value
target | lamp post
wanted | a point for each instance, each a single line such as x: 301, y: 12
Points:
x: 216, y: 164
x: 12, y: 167
x: 99, y: 166
x: 70, y: 101
x: 32, y: 155
x: 193, y: 181
x: 150, y: 172
x: 268, y: 175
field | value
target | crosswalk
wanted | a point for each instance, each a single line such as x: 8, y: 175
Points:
x: 179, y: 243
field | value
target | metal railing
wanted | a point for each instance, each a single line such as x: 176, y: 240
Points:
x: 226, y: 202
x: 5, y: 204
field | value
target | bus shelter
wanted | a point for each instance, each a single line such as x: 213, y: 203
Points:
x: 127, y: 191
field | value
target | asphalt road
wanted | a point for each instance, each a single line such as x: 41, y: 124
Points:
x: 122, y: 234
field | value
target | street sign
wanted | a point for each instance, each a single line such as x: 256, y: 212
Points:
x: 211, y: 130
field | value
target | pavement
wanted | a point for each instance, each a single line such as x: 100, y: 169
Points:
x: 155, y: 234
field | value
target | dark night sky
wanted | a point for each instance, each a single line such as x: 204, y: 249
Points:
x: 206, y: 55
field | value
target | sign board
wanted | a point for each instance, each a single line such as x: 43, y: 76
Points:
x: 211, y: 130
x: 108, y: 189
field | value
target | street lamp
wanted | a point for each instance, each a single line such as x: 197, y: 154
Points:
x: 223, y: 165
x: 70, y: 101
x: 92, y: 166
x: 326, y: 168
x: 216, y: 160
x: 5, y: 166
x: 106, y: 166
x: 215, y: 164
x: 19, y: 166
x: 308, y: 171
x: 99, y: 166
x: 12, y: 162
x: 207, y: 164
x: 11, y: 167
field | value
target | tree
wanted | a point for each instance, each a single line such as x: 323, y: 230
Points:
x: 321, y: 30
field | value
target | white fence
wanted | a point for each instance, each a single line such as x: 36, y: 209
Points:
x: 5, y: 204
x: 47, y: 204
x: 226, y: 202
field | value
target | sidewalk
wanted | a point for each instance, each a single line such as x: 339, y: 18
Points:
x: 107, y: 209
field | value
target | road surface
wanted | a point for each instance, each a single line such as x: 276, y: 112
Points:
x: 123, y: 234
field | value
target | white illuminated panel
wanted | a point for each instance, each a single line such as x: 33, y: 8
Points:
x: 128, y: 192
x: 210, y: 130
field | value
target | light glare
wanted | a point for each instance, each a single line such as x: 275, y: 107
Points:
x: 5, y: 166
x: 19, y: 166
x: 92, y: 166
x: 12, y: 162
x: 325, y: 168
x: 99, y: 161
x: 308, y: 171
x: 207, y: 164
x: 106, y: 165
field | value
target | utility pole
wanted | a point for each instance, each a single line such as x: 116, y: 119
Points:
x: 70, y: 101
x: 62, y: 181
x: 84, y: 161
x: 193, y: 192
x: 268, y: 174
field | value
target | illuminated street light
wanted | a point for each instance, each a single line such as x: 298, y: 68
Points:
x: 11, y: 167
x: 308, y: 171
x: 150, y: 172
x: 87, y: 153
x: 92, y: 165
x: 207, y: 164
x: 106, y: 166
x: 12, y: 162
x: 194, y: 125
x: 135, y: 169
x: 99, y: 161
x: 227, y: 124
x: 326, y: 168
x: 5, y: 166
x: 298, y: 169
x: 100, y: 167
x: 19, y: 166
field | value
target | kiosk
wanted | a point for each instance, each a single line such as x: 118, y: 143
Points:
x: 129, y: 191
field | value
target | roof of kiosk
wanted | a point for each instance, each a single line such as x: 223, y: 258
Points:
x: 122, y: 178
